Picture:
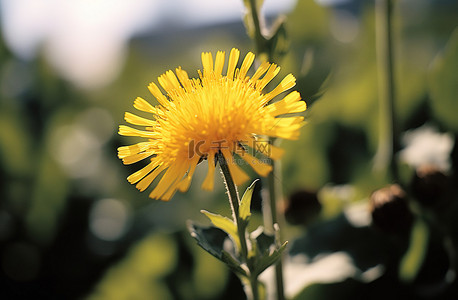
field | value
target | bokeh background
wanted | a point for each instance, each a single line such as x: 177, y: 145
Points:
x: 72, y: 227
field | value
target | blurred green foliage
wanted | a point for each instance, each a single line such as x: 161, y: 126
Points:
x: 58, y: 163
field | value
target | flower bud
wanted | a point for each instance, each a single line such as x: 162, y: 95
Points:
x: 390, y: 210
x: 429, y: 185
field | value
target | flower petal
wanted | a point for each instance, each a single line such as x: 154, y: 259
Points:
x: 259, y: 166
x: 183, y: 186
x: 136, y: 120
x: 271, y: 73
x: 238, y: 175
x: 154, y: 89
x: 207, y: 62
x: 233, y: 60
x: 147, y: 180
x: 288, y: 82
x: 246, y: 64
x: 129, y: 131
x: 219, y: 63
x: 210, y: 179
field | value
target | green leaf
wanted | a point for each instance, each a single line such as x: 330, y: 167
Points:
x: 279, y: 43
x: 225, y: 224
x: 244, y: 209
x: 268, y: 259
x: 233, y: 264
x: 264, y: 241
x: 211, y: 239
x: 443, y: 83
x: 415, y: 254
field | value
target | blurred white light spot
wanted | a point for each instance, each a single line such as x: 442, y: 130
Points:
x: 86, y: 40
x: 77, y: 150
x: 78, y: 147
x: 372, y: 274
x: 299, y: 272
x: 109, y: 219
x: 425, y: 145
x: 344, y: 26
x: 358, y: 214
x: 99, y: 122
x: 331, y: 2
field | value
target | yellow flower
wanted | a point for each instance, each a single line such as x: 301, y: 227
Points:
x: 198, y: 118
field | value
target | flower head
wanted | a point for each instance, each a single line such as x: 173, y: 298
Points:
x: 198, y: 118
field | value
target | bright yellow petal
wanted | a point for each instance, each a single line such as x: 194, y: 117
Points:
x: 169, y: 81
x: 135, y: 177
x: 259, y: 166
x: 260, y: 71
x: 266, y: 148
x: 136, y: 120
x: 143, y: 105
x: 246, y: 64
x: 170, y: 192
x: 129, y: 131
x: 233, y: 60
x: 183, y: 186
x: 147, y: 180
x: 288, y: 82
x: 290, y: 104
x: 184, y: 78
x: 131, y: 159
x: 154, y: 89
x: 219, y: 63
x: 125, y: 151
x: 210, y: 179
x: 170, y: 178
x: 271, y: 73
x: 238, y: 175
x: 207, y: 62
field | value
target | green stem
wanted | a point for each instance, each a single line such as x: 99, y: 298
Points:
x: 273, y: 192
x: 261, y: 44
x: 388, y: 139
x: 235, y: 204
x: 260, y: 40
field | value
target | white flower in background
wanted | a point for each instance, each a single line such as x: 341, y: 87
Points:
x: 426, y: 145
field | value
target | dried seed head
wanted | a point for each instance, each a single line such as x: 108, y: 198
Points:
x: 430, y: 185
x: 390, y: 210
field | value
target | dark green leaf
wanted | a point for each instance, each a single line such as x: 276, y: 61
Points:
x: 264, y: 241
x: 269, y: 259
x: 212, y: 239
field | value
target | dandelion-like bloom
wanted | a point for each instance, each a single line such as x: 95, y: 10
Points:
x: 198, y: 118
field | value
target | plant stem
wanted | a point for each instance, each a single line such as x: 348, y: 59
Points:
x: 259, y: 39
x: 273, y: 191
x: 388, y: 139
x: 235, y: 204
x: 261, y: 44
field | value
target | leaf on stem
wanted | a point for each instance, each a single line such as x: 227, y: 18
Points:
x: 268, y: 259
x: 211, y: 239
x: 244, y: 210
x: 266, y: 251
x: 225, y: 224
